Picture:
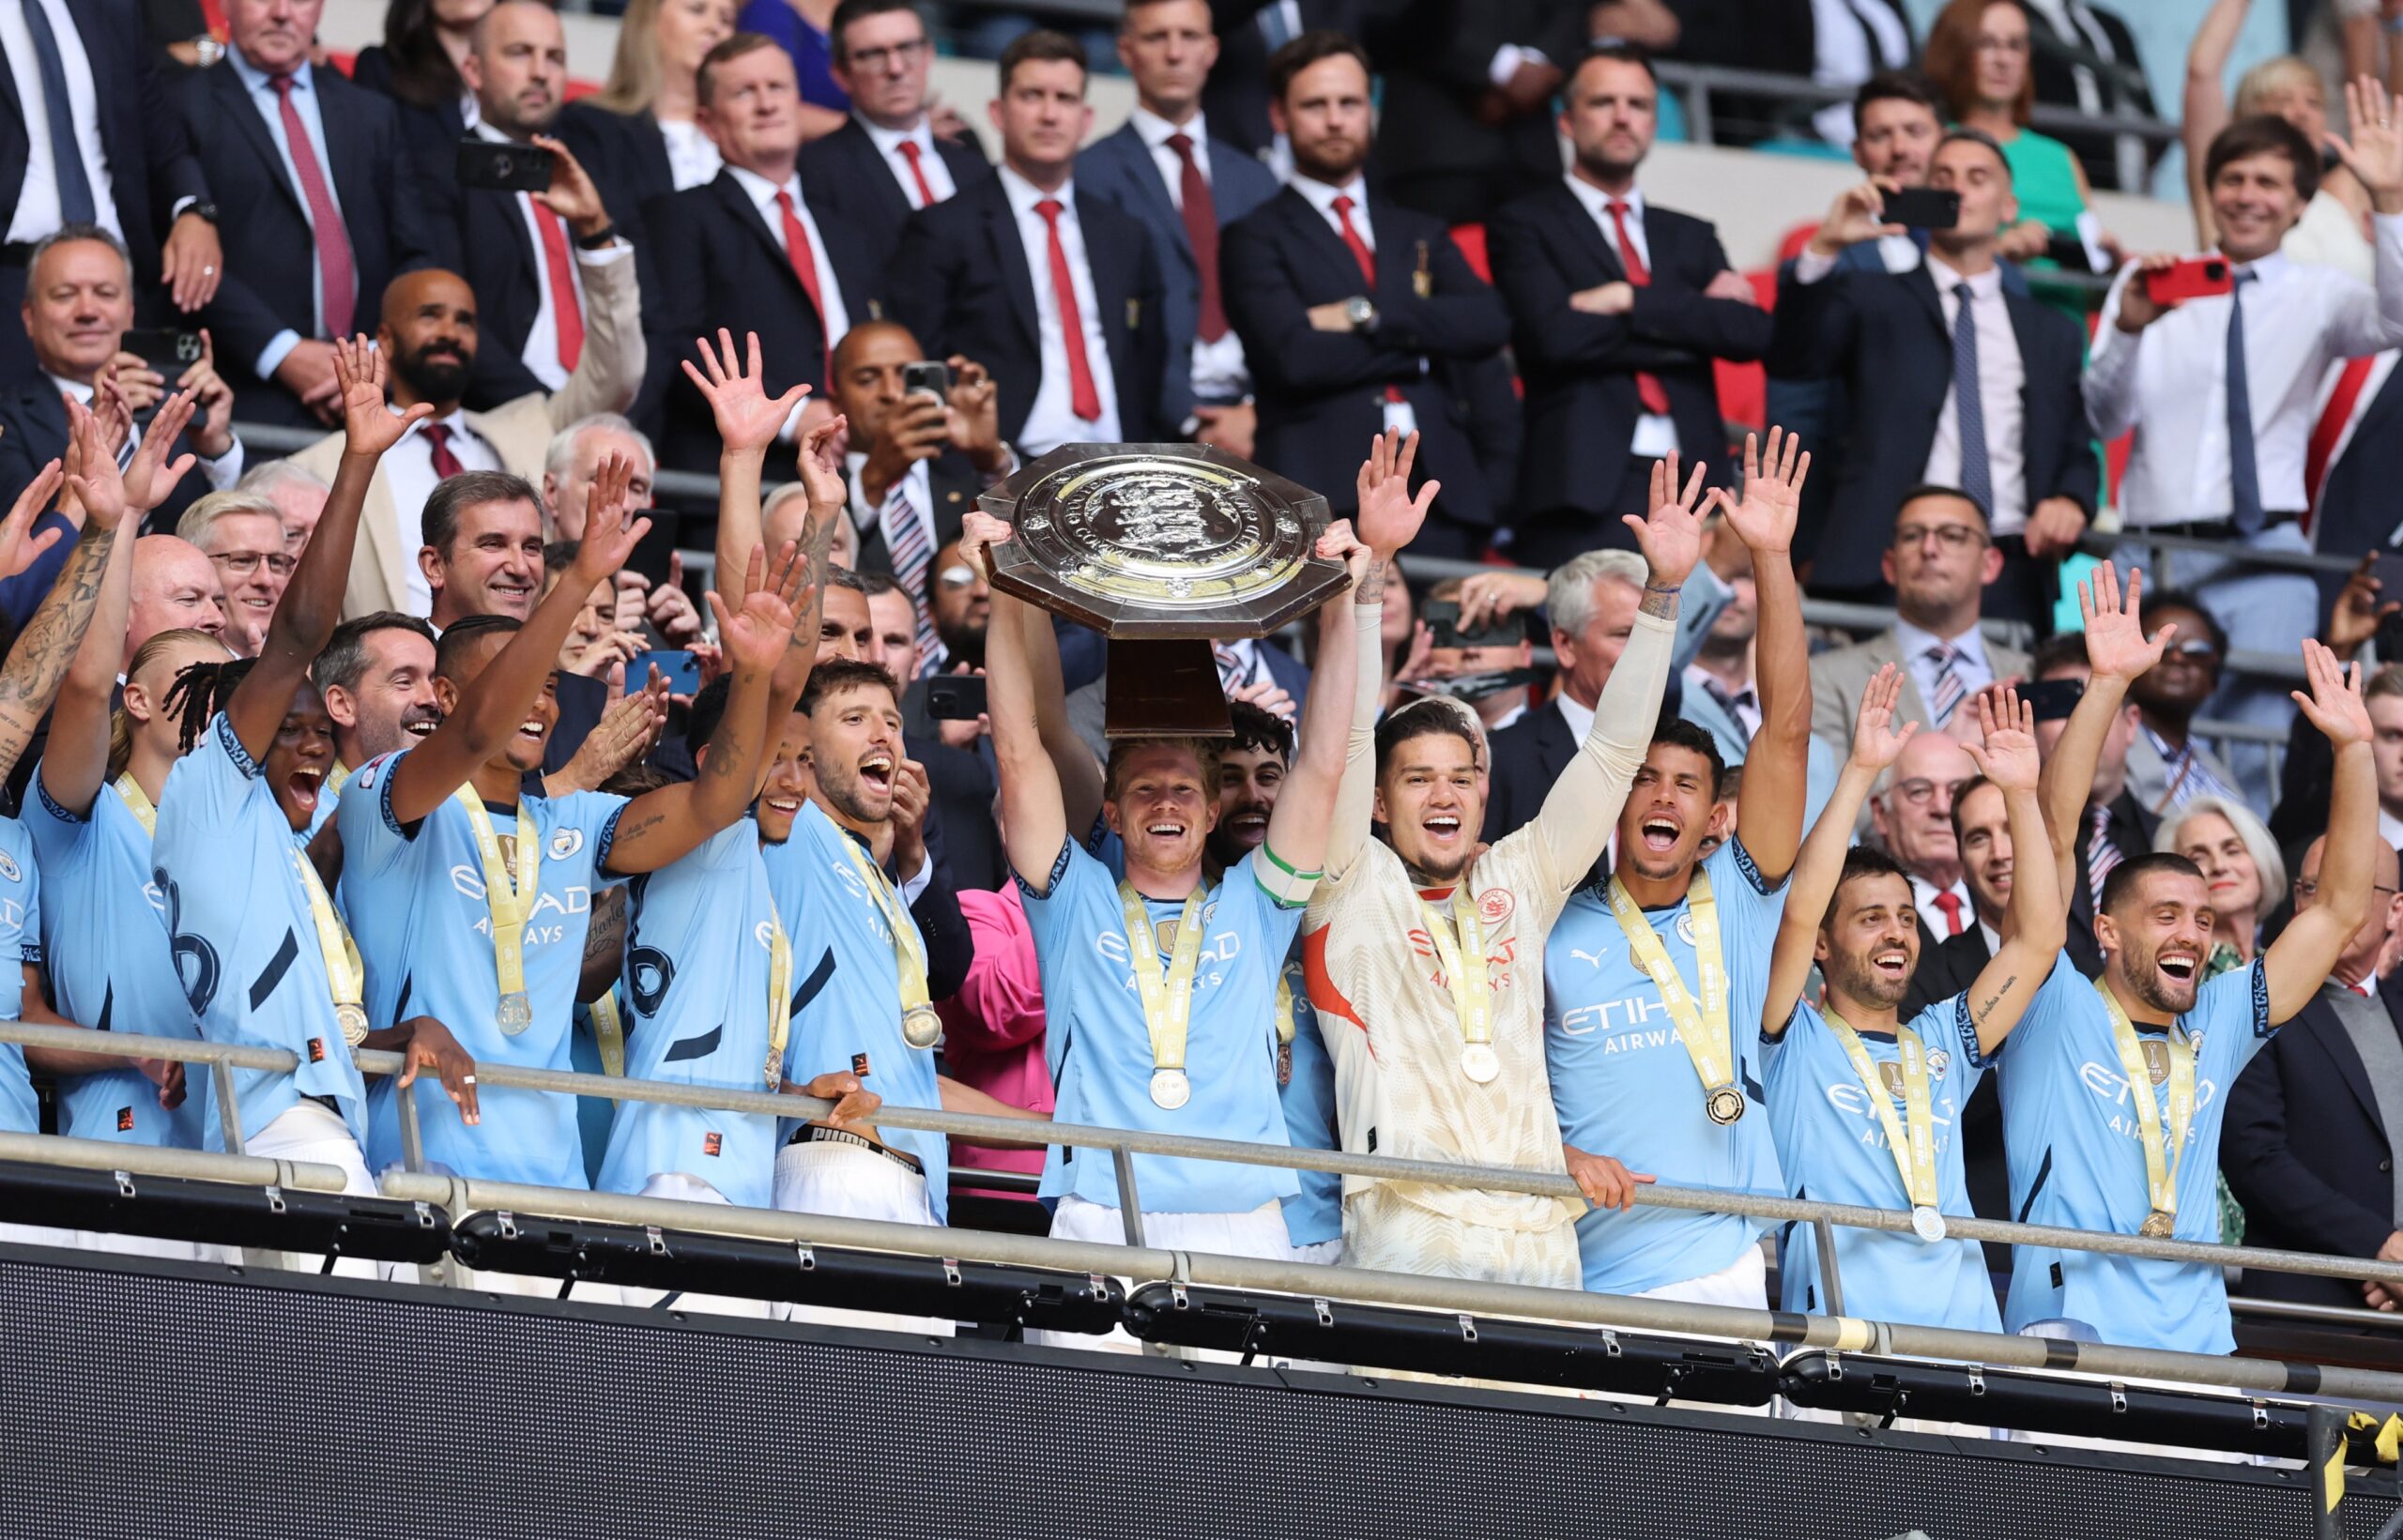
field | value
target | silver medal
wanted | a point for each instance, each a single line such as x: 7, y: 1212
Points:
x: 920, y: 1027
x: 1927, y: 1224
x: 353, y: 1020
x: 1170, y: 1089
x: 1479, y: 1062
x: 516, y: 1013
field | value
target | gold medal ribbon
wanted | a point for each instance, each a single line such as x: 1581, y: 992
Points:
x: 1705, y: 1031
x: 609, y: 1034
x: 1463, y: 960
x: 337, y: 777
x: 343, y: 970
x: 908, y: 961
x: 1167, y: 996
x: 509, y: 896
x: 2159, y: 1159
x: 137, y: 802
x: 1910, y: 1138
x: 779, y: 999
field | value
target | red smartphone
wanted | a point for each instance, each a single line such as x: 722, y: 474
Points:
x: 2192, y: 279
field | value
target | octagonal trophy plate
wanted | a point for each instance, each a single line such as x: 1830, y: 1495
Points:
x: 1163, y: 548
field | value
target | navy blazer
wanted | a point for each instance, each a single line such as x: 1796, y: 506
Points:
x: 271, y: 256
x: 1321, y: 395
x: 849, y: 179
x: 1120, y: 167
x: 959, y: 279
x: 2305, y: 1150
x: 954, y: 484
x: 720, y: 265
x: 33, y: 432
x: 2357, y: 511
x: 1580, y: 369
x: 1884, y: 335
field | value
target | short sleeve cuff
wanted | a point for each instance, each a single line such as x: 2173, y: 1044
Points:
x: 2258, y: 976
x: 50, y: 804
x: 231, y: 742
x: 1752, y: 872
x: 1051, y: 883
x: 608, y: 838
x: 1966, y: 1029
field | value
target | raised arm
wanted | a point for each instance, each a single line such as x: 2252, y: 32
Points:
x: 1389, y: 519
x: 1875, y: 745
x: 1020, y: 655
x: 737, y: 401
x: 2116, y: 652
x: 2297, y: 964
x: 2039, y: 916
x: 2205, y: 104
x: 1769, y: 817
x: 311, y: 602
x: 497, y: 703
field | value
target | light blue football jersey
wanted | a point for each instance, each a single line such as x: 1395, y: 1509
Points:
x: 846, y: 988
x: 1832, y: 1145
x: 20, y: 918
x: 2070, y: 1128
x: 96, y: 882
x: 700, y: 940
x: 1100, y: 1050
x: 416, y: 903
x: 245, y: 945
x: 1623, y: 1086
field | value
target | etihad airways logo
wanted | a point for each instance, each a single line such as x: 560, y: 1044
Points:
x: 2110, y: 1083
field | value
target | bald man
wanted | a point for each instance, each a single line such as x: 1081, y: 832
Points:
x: 1912, y: 816
x: 429, y: 332
x: 916, y: 459
x: 174, y: 585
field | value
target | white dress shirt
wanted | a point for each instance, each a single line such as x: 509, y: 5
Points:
x: 692, y: 160
x: 834, y: 314
x: 1218, y: 372
x: 1052, y: 421
x: 37, y: 209
x: 2390, y: 829
x: 540, y: 353
x: 407, y: 469
x: 2169, y: 381
x: 1970, y: 664
x: 1580, y: 718
x: 1655, y: 433
x: 2001, y: 378
x: 221, y: 473
x: 1321, y: 196
x: 888, y: 143
x: 1852, y: 40
x: 1923, y: 898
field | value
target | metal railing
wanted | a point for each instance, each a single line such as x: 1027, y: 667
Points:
x: 1833, y: 1330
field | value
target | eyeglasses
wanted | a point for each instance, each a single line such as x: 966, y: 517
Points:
x: 2306, y: 889
x: 1952, y: 537
x: 873, y: 59
x: 243, y: 563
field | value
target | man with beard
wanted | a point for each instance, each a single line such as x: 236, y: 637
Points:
x: 1652, y: 1019
x: 1339, y: 351
x: 1836, y: 1070
x: 377, y: 675
x: 2117, y: 1090
x: 428, y: 331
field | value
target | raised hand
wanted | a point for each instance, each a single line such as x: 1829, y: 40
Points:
x: 755, y: 635
x: 94, y: 478
x: 1671, y: 539
x: 979, y: 532
x: 1859, y: 214
x: 823, y: 473
x: 369, y: 426
x: 17, y: 550
x: 1772, y: 500
x: 147, y: 478
x: 2335, y: 705
x: 1338, y: 544
x: 2375, y: 152
x: 2358, y: 610
x: 2008, y: 757
x: 1390, y: 517
x: 2116, y: 647
x: 626, y: 732
x: 1875, y: 744
x: 611, y: 528
x: 747, y: 420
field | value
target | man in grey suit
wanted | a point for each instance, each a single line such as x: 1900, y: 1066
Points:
x: 1939, y: 563
x: 1164, y: 168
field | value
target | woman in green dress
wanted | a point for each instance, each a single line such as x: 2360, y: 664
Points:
x: 1977, y: 55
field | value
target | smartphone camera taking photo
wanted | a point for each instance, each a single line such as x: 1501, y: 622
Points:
x: 928, y: 377
x: 507, y: 168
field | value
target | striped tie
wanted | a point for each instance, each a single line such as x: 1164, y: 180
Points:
x: 906, y: 543
x: 1946, y: 700
x: 2101, y: 854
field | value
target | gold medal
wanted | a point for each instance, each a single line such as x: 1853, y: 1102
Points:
x: 2158, y: 1225
x: 2164, y: 1146
x: 1724, y: 1105
x: 1708, y: 1038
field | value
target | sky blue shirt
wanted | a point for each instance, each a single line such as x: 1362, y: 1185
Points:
x: 414, y: 898
x: 245, y: 945
x: 1100, y: 1049
x: 1832, y: 1145
x: 96, y: 882
x: 19, y: 941
x: 847, y: 986
x: 2078, y: 1161
x: 1623, y: 1086
x: 700, y: 940
x: 260, y: 88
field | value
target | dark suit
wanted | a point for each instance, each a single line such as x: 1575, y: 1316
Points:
x: 2357, y: 511
x: 2306, y: 1154
x: 849, y: 182
x: 954, y: 483
x: 1438, y: 151
x: 2056, y: 84
x: 1884, y: 335
x: 1322, y: 393
x: 1582, y: 400
x: 271, y: 256
x: 149, y: 158
x: 959, y: 279
x: 721, y: 265
x: 33, y: 432
x: 1120, y: 167
x: 1235, y: 99
x: 2133, y: 828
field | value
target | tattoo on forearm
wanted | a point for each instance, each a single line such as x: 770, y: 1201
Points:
x: 1977, y: 1016
x: 39, y: 661
x: 1661, y: 603
x: 1372, y: 590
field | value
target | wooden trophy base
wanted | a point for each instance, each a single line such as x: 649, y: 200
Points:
x: 1165, y: 689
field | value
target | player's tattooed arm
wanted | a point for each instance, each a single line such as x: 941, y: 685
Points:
x: 604, y: 945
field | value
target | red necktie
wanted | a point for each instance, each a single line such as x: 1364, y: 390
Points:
x: 2330, y: 427
x: 1648, y: 389
x: 1202, y: 229
x: 804, y: 266
x: 336, y: 274
x: 2358, y: 990
x: 567, y: 316
x: 437, y: 449
x: 1361, y: 254
x: 1951, y: 903
x: 1083, y: 399
x: 910, y: 152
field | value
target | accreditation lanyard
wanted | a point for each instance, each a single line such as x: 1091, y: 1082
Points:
x: 1167, y: 996
x: 779, y: 999
x: 2160, y: 1158
x: 344, y: 971
x: 920, y: 1026
x: 1910, y: 1138
x: 1704, y: 1030
x: 509, y: 897
x: 137, y: 802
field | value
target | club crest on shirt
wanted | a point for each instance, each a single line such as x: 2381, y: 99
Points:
x: 565, y: 843
x: 1685, y: 928
x: 1937, y: 1061
x: 9, y: 867
x: 1494, y: 905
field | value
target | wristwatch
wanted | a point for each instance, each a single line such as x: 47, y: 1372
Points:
x: 206, y: 50
x: 1361, y: 312
x: 201, y: 210
x: 605, y: 236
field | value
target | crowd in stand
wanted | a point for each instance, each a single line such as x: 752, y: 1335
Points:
x: 420, y: 739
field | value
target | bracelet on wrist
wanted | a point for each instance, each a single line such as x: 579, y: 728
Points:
x: 1663, y: 587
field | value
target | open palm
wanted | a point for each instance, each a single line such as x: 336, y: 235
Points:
x: 755, y: 635
x: 2375, y: 151
x: 2008, y: 755
x: 2116, y: 645
x: 369, y: 426
x: 1671, y: 538
x: 1764, y: 520
x: 1389, y: 516
x: 611, y: 529
x: 2335, y: 705
x: 1875, y: 744
x: 747, y: 417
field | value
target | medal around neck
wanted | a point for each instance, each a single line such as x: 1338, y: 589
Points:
x: 1163, y: 548
x: 920, y: 1027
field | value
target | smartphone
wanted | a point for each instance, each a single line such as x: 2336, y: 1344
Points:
x: 928, y: 377
x: 1443, y: 617
x: 955, y: 698
x: 2052, y: 700
x: 2387, y: 567
x: 509, y: 168
x: 1475, y: 686
x: 681, y: 670
x: 1923, y: 207
x: 170, y: 350
x: 2192, y: 279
